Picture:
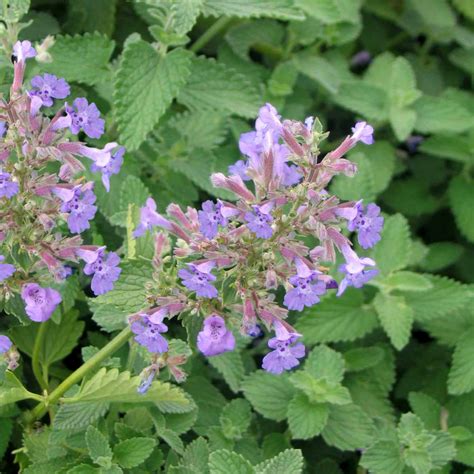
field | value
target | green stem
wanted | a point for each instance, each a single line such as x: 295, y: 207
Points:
x: 212, y: 31
x: 36, y: 365
x: 116, y: 343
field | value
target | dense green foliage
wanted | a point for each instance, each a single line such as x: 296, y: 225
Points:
x: 388, y: 384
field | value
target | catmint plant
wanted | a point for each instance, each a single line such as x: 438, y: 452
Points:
x: 230, y: 258
x: 45, y: 202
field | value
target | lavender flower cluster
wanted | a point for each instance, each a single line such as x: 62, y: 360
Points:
x: 42, y: 191
x: 229, y: 258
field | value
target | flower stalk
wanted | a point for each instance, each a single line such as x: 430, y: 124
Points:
x: 113, y: 346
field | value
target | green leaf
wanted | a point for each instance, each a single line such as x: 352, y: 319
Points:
x: 402, y: 84
x: 213, y: 86
x: 114, y: 386
x: 145, y: 85
x: 445, y: 297
x: 402, y: 120
x: 319, y: 69
x: 383, y: 457
x: 225, y: 462
x: 461, y: 375
x: 362, y: 358
x: 107, y: 316
x: 242, y: 37
x: 437, y: 16
x: 426, y: 408
x: 359, y: 186
x: 324, y: 362
x: 407, y: 281
x: 348, y: 428
x: 133, y: 452
x: 6, y: 428
x: 306, y: 419
x: 235, y: 418
x: 442, y: 449
x: 452, y: 147
x: 185, y: 14
x: 129, y: 293
x: 94, y: 51
x: 60, y: 339
x: 419, y: 460
x: 196, y: 455
x: 231, y: 367
x: 396, y: 318
x: 98, y: 446
x: 461, y: 198
x: 92, y: 15
x: 363, y: 98
x: 465, y: 7
x: 393, y: 251
x: 441, y: 115
x: 78, y: 415
x: 337, y: 319
x: 281, y: 9
x: 13, y: 10
x: 260, y: 387
x: 132, y: 191
x: 331, y: 11
x: 12, y: 390
x: 289, y: 461
x: 320, y: 390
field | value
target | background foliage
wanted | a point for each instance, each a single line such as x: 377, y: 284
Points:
x: 389, y: 382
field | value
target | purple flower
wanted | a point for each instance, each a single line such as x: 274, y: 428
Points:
x: 368, y: 223
x: 40, y: 302
x: 284, y: 356
x: 198, y: 279
x: 6, y: 269
x: 363, y: 132
x: 306, y: 288
x: 251, y: 145
x: 148, y: 333
x: 149, y: 218
x: 354, y: 269
x: 5, y: 344
x: 85, y: 116
x: 239, y: 168
x: 23, y: 50
x: 214, y: 338
x: 49, y: 87
x: 291, y: 175
x: 80, y: 206
x: 8, y: 188
x: 112, y: 166
x: 309, y: 122
x: 260, y: 219
x: 3, y: 128
x: 211, y: 217
x: 268, y: 120
x: 104, y: 268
